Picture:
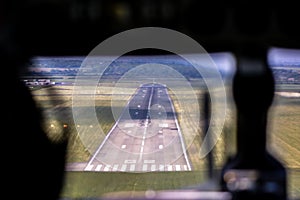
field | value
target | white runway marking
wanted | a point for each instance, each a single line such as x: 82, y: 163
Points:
x: 149, y: 161
x: 130, y: 161
x: 129, y: 125
x: 132, y: 167
x: 161, y: 168
x: 98, y: 168
x: 146, y: 124
x: 106, y: 168
x: 115, y: 168
x: 88, y: 167
x: 145, y: 167
x: 142, y: 150
x: 123, y: 168
x: 163, y: 125
x: 153, y: 167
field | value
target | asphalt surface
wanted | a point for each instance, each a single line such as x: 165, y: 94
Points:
x: 146, y: 137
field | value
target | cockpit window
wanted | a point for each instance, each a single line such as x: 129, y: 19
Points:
x: 147, y: 123
x: 146, y: 127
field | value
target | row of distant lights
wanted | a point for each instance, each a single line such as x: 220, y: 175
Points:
x: 121, y: 12
x: 66, y: 126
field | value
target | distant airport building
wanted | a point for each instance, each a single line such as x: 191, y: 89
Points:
x: 41, y: 82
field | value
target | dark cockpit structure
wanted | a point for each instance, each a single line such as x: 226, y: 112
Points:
x: 247, y: 29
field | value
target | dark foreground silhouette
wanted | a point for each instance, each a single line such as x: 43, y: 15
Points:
x: 32, y: 164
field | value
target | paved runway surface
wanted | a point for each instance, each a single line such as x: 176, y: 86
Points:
x: 146, y: 137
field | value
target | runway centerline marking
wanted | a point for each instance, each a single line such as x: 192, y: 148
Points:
x: 146, y: 124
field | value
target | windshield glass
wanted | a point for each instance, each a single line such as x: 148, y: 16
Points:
x: 148, y: 121
x: 149, y: 125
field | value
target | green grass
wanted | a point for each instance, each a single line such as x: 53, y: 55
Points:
x: 294, y: 183
x: 284, y: 130
x: 84, y: 185
x: 288, y: 87
x: 95, y: 184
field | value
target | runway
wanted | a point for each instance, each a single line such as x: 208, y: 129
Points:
x: 146, y: 137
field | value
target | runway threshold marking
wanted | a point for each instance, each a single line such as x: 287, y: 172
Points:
x: 89, y: 167
x: 185, y: 168
x: 153, y: 167
x: 145, y: 167
x: 98, y: 168
x: 106, y: 168
x: 161, y: 168
x: 123, y: 168
x: 115, y: 168
x: 132, y: 167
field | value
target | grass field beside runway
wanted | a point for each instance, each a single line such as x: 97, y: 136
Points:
x: 94, y: 184
x: 85, y: 185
